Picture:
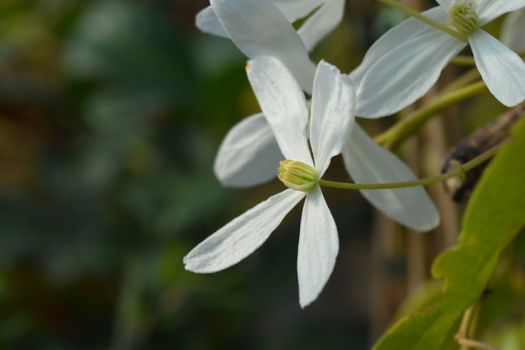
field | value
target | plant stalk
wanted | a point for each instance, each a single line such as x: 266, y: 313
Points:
x: 458, y: 171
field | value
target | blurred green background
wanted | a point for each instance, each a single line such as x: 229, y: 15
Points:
x: 110, y: 116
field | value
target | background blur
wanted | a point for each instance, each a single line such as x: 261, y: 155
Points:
x: 110, y: 116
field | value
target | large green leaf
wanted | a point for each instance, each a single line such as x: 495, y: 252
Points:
x: 495, y: 215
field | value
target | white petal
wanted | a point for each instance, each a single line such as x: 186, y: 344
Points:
x: 295, y: 9
x: 405, y: 73
x: 259, y: 28
x: 322, y: 22
x: 242, y: 236
x: 283, y: 104
x: 332, y: 114
x: 318, y: 247
x: 512, y: 33
x: 501, y: 68
x: 401, y: 33
x: 208, y: 22
x: 367, y: 162
x: 491, y: 9
x: 249, y: 154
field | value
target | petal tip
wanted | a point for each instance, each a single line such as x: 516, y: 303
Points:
x: 193, y: 266
x: 511, y: 102
x: 305, y: 301
x: 430, y: 223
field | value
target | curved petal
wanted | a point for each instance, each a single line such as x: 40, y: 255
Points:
x: 367, y: 162
x: 406, y: 30
x: 322, y: 22
x: 405, y: 73
x: 491, y: 9
x: 318, y: 247
x: 501, y: 68
x: 259, y: 28
x: 332, y: 114
x: 249, y: 154
x: 513, y: 29
x: 296, y: 9
x: 243, y: 235
x: 207, y: 22
x: 283, y: 104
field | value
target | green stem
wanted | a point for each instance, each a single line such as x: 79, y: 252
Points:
x: 424, y: 19
x: 458, y: 171
x: 462, y: 60
x: 411, y: 124
x: 466, y: 323
x: 466, y: 78
x: 467, y: 331
x: 467, y: 344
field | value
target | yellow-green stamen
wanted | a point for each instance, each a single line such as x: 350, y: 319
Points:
x: 297, y: 175
x: 463, y: 16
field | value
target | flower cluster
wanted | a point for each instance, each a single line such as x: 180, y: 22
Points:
x: 296, y: 139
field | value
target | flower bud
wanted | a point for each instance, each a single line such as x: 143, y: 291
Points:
x: 297, y: 175
x: 463, y: 16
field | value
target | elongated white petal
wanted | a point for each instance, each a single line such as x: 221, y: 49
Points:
x: 405, y: 73
x: 249, y: 154
x: 318, y: 247
x: 243, y: 235
x: 491, y: 9
x: 293, y: 10
x: 259, y: 28
x: 501, y: 68
x: 208, y: 22
x: 296, y: 9
x: 283, y: 104
x: 332, y: 114
x: 512, y: 33
x: 406, y: 30
x: 367, y: 162
x: 322, y: 22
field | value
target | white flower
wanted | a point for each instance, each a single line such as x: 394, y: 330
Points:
x: 299, y: 138
x: 323, y: 17
x: 264, y: 28
x: 249, y: 152
x: 513, y: 31
x: 407, y: 60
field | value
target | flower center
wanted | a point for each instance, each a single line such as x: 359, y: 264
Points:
x: 297, y: 175
x: 463, y: 16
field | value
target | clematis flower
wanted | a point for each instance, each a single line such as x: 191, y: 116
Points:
x: 249, y: 152
x: 407, y: 60
x: 260, y: 28
x: 323, y: 17
x: 512, y: 32
x: 308, y: 146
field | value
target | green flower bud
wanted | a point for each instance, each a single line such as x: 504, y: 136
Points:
x: 464, y: 17
x: 297, y: 175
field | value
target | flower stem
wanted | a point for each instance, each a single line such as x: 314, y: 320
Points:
x: 462, y: 60
x: 408, y: 126
x: 457, y: 171
x: 467, y: 344
x: 463, y: 80
x: 407, y: 10
x: 467, y: 331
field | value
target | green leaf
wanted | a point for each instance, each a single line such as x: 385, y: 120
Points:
x: 495, y: 215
